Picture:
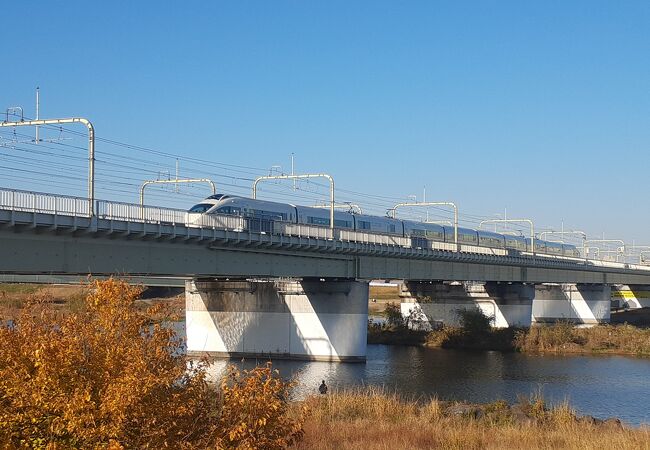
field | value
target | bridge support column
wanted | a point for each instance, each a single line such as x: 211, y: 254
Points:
x: 632, y: 296
x: 431, y: 304
x: 308, y: 319
x: 578, y: 303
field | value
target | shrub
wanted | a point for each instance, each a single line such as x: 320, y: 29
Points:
x: 104, y: 376
x: 394, y: 316
x: 474, y: 321
x: 256, y: 412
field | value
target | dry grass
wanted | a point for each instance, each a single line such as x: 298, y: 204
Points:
x: 70, y: 299
x: 565, y: 338
x: 475, y: 333
x: 389, y: 293
x: 381, y: 296
x: 373, y: 419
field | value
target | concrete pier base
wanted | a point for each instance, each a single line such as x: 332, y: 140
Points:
x: 577, y: 303
x: 308, y: 319
x: 432, y: 304
x: 633, y: 296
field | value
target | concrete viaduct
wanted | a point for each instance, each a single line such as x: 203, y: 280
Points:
x: 295, y: 291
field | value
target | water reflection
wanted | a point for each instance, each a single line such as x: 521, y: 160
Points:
x: 602, y: 386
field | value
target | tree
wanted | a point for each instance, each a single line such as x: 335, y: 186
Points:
x: 107, y: 377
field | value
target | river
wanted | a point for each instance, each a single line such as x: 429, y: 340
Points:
x: 601, y: 386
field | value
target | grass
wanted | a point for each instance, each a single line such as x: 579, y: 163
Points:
x: 475, y: 333
x: 384, y: 293
x: 18, y: 288
x: 372, y: 418
x: 566, y: 338
x: 14, y: 297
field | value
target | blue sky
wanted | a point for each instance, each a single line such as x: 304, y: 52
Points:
x: 542, y: 108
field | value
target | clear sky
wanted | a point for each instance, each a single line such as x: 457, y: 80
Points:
x: 542, y: 108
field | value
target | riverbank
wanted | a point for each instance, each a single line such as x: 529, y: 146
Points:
x: 373, y: 419
x: 559, y: 338
x: 69, y: 298
x: 104, y: 377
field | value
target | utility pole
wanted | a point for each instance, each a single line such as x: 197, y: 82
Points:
x: 176, y: 181
x: 91, y: 148
x: 292, y: 172
x: 393, y: 213
x: 424, y: 200
x: 38, y: 108
x: 176, y: 184
x: 294, y: 177
x: 506, y: 221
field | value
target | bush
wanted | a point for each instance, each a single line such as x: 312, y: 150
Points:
x: 106, y: 377
x: 256, y: 412
x: 474, y: 321
x: 394, y: 316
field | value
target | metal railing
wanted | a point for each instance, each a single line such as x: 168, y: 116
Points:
x: 43, y: 203
x: 234, y: 223
x: 136, y: 213
x: 38, y: 202
x: 300, y: 230
x: 374, y: 238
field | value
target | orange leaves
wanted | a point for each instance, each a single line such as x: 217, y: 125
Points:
x: 105, y: 376
x: 256, y: 411
x: 98, y: 377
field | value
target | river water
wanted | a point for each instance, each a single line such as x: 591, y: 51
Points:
x: 601, y: 386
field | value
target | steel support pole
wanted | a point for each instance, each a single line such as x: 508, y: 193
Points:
x: 452, y: 204
x: 296, y: 177
x: 528, y: 221
x: 606, y: 241
x: 91, y: 149
x: 188, y: 180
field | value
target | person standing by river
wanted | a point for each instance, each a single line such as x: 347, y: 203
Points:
x: 322, y: 388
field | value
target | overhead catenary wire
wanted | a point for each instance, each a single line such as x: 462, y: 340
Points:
x: 121, y: 170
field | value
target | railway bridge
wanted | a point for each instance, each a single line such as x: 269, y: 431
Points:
x: 293, y: 290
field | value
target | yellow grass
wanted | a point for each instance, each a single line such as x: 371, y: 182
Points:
x: 565, y: 338
x: 374, y: 419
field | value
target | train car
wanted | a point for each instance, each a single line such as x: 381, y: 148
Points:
x: 465, y: 235
x: 429, y: 231
x: 571, y: 250
x: 261, y: 215
x: 491, y: 239
x: 553, y: 248
x: 519, y: 243
x: 247, y: 207
x: 375, y: 224
x: 540, y: 246
x: 321, y: 217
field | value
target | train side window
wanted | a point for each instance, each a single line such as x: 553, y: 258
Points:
x: 318, y: 221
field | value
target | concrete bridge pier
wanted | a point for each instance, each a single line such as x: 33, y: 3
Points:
x: 578, y: 303
x: 631, y: 296
x: 431, y: 304
x: 298, y: 319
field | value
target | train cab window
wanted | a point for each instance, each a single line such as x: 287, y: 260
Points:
x: 201, y: 207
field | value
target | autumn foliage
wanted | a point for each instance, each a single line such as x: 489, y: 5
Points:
x: 106, y: 377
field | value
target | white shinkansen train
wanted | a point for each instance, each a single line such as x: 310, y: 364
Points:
x: 260, y: 215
